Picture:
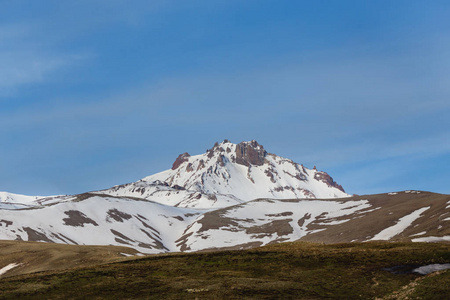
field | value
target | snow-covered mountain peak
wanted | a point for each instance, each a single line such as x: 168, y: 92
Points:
x: 229, y: 174
x: 230, y: 197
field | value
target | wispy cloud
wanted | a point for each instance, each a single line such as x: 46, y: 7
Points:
x: 25, y: 61
x: 19, y: 69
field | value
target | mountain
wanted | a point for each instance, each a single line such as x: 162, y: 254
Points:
x: 234, y: 196
x: 230, y: 174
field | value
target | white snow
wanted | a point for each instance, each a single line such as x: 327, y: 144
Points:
x: 424, y: 270
x: 263, y: 213
x: 420, y: 233
x: 8, y: 267
x: 10, y: 206
x: 127, y: 254
x: 367, y: 211
x: 214, y: 180
x: 432, y: 239
x: 16, y: 198
x: 391, y: 194
x: 148, y: 223
x: 412, y: 192
x: 401, y: 225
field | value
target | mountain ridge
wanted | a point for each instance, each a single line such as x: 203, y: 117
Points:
x: 230, y: 174
x: 234, y: 196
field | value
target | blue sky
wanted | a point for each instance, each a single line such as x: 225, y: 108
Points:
x: 98, y: 93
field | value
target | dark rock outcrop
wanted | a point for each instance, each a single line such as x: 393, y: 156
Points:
x: 77, y: 218
x: 180, y: 159
x: 250, y: 153
x: 324, y: 177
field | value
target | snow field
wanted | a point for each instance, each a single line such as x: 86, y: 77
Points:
x: 256, y: 213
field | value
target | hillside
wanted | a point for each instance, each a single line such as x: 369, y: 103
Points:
x: 151, y: 227
x: 17, y: 258
x: 375, y: 270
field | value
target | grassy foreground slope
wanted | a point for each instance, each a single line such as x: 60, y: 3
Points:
x: 33, y: 257
x: 283, y: 271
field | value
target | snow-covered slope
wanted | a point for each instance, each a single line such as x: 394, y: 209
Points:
x: 230, y: 174
x: 99, y: 220
x: 16, y: 198
x: 151, y: 227
x: 264, y: 221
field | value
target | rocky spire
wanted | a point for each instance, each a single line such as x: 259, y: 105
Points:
x: 324, y: 177
x: 180, y: 159
x: 250, y: 153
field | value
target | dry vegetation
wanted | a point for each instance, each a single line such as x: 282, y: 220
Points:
x: 283, y: 271
x: 38, y: 257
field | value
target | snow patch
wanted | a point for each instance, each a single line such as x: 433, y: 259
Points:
x: 420, y: 233
x: 424, y: 270
x: 433, y: 239
x: 401, y: 225
x: 8, y: 267
x: 127, y: 254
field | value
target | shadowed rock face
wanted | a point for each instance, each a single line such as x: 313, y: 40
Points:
x: 324, y: 177
x: 250, y: 153
x: 180, y: 159
x: 5, y: 222
x: 34, y: 235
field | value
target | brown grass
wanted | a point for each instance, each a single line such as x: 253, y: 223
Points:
x: 283, y: 271
x: 38, y: 257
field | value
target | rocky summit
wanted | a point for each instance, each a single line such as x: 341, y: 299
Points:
x: 230, y: 174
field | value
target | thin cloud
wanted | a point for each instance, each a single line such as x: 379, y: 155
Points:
x: 23, y: 68
x: 24, y: 61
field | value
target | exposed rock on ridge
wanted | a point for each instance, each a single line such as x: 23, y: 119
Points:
x: 250, y: 153
x: 180, y: 159
x: 324, y: 177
